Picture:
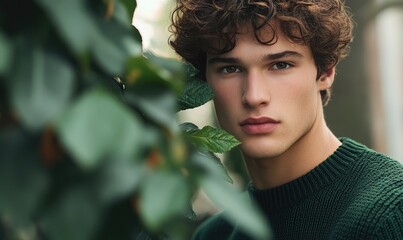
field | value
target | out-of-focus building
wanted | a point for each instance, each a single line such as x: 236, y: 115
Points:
x: 384, y: 43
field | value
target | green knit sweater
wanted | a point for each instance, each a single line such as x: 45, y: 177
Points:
x: 356, y: 193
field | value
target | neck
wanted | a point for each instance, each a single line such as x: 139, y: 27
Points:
x: 304, y: 155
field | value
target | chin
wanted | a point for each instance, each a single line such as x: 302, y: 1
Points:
x: 260, y: 152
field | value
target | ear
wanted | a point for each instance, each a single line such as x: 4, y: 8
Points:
x: 326, y: 80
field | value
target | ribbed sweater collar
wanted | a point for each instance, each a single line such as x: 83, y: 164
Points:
x: 289, y: 194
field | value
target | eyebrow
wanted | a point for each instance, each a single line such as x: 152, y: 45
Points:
x: 218, y: 59
x: 265, y: 58
x: 275, y: 56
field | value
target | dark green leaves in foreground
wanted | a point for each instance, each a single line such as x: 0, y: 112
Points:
x: 212, y: 139
x: 196, y: 93
x: 157, y: 207
x: 39, y: 76
x: 143, y: 71
x: 22, y: 180
x: 82, y: 157
x: 5, y: 50
x: 238, y: 208
x: 99, y: 126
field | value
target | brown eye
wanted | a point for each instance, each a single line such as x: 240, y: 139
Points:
x: 281, y: 65
x: 230, y: 69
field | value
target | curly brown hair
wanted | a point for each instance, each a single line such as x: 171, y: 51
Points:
x: 323, y: 25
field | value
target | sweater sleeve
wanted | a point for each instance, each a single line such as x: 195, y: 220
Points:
x: 392, y: 227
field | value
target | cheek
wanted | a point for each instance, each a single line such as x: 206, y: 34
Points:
x: 303, y: 86
x: 224, y: 104
x: 225, y: 93
x: 305, y: 101
x: 298, y: 95
x: 221, y: 105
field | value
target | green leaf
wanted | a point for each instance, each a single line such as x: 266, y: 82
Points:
x: 110, y: 42
x: 188, y: 127
x: 74, y: 22
x: 6, y: 53
x: 76, y: 216
x: 118, y: 178
x: 97, y: 126
x: 121, y: 13
x: 154, y: 70
x: 238, y: 208
x: 156, y: 103
x: 212, y: 165
x: 41, y: 85
x: 23, y: 182
x: 196, y: 93
x: 164, y: 195
x: 206, y: 159
x: 213, y: 139
x: 130, y: 6
x: 113, y: 46
x: 169, y: 68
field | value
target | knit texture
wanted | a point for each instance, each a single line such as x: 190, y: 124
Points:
x: 356, y: 193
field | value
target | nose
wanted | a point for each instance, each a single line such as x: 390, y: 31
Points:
x: 255, y: 91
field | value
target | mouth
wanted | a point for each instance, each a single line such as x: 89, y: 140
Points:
x: 262, y: 125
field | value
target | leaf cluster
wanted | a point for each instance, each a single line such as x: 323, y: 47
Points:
x: 89, y: 143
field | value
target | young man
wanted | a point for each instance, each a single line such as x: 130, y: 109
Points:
x: 271, y: 64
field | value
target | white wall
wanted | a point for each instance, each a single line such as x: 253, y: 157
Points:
x: 389, y: 33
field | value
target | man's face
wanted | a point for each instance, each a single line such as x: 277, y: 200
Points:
x: 267, y: 96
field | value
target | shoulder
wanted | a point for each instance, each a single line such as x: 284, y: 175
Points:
x: 390, y: 225
x: 370, y: 163
x: 373, y: 196
x: 385, y: 210
x: 380, y: 218
x: 377, y: 169
x: 378, y: 179
x: 378, y: 201
x: 380, y: 188
x: 217, y: 227
x: 383, y: 176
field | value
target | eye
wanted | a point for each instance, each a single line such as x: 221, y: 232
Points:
x: 281, y: 65
x: 230, y: 69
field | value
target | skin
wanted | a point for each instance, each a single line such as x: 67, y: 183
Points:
x: 275, y: 89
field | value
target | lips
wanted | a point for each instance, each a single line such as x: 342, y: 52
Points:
x: 262, y: 125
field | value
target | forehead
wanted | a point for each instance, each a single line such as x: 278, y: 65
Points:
x: 269, y: 39
x: 271, y: 34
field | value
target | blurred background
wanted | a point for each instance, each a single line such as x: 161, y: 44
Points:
x: 367, y: 102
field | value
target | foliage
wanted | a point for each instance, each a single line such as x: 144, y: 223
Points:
x: 89, y: 143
